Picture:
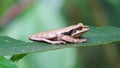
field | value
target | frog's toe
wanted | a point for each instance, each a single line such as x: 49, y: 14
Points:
x: 83, y: 40
x: 58, y: 42
x: 61, y: 42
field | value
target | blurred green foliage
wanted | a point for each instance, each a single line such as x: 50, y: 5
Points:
x: 5, y: 63
x: 44, y: 15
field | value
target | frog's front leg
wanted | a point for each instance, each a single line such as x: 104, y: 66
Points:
x: 47, y: 40
x: 72, y: 40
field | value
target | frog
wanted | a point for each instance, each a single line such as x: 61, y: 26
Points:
x: 70, y: 34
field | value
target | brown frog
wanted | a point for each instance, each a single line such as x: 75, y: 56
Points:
x: 70, y: 34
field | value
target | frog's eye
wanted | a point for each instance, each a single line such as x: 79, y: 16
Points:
x: 70, y: 32
x: 73, y: 31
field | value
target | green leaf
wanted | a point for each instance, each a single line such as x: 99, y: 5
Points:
x: 96, y: 36
x: 4, y: 63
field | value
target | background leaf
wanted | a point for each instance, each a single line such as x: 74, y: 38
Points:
x: 96, y: 36
x: 4, y: 63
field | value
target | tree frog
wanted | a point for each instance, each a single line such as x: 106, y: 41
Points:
x: 71, y: 34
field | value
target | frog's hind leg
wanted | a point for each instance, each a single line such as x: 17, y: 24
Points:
x: 47, y: 40
x: 72, y: 40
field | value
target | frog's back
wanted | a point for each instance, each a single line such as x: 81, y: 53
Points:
x: 46, y: 35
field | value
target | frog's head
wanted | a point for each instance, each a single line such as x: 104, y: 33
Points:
x: 79, y: 30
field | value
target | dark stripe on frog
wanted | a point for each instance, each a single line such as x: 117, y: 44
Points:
x: 72, y: 31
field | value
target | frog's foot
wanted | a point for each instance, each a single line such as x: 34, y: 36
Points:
x: 79, y: 40
x: 57, y: 42
x: 47, y: 40
x: 83, y: 40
